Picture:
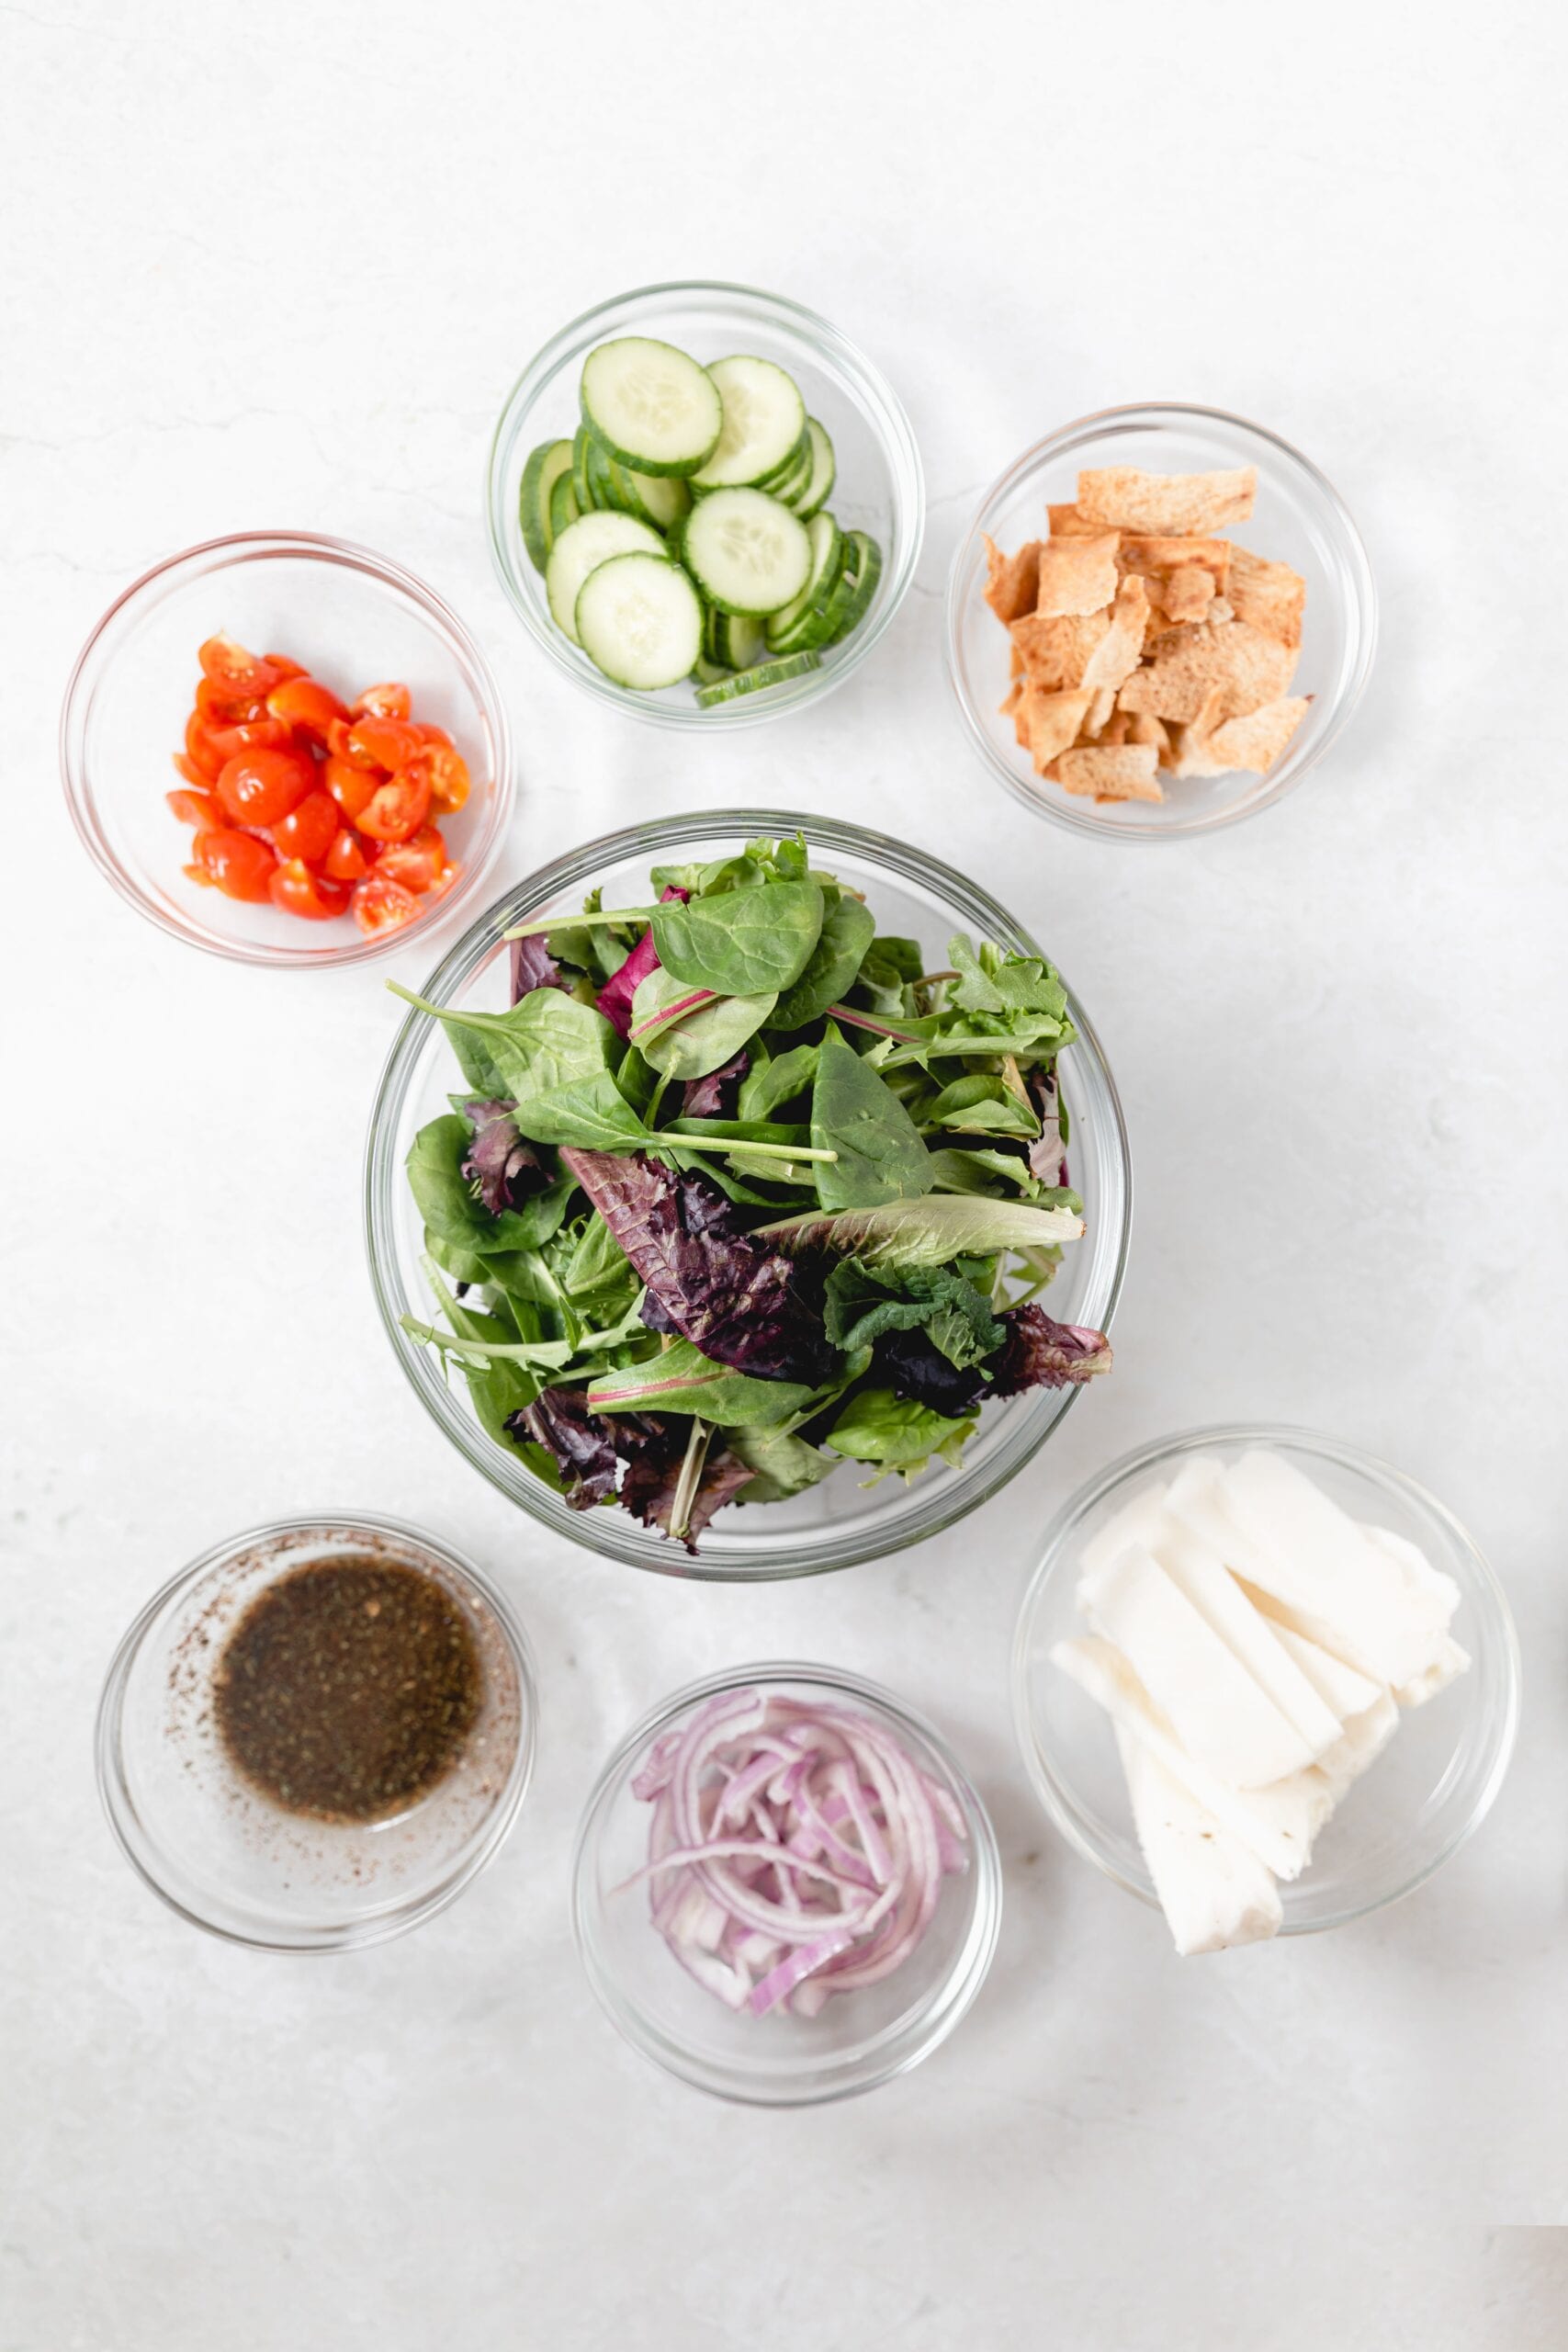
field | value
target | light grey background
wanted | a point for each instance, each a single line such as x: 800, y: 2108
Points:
x: 280, y: 266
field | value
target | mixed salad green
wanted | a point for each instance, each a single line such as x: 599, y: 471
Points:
x: 739, y: 1191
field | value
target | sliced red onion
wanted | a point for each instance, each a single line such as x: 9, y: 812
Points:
x: 796, y: 1850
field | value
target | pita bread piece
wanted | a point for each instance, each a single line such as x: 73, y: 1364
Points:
x: 1123, y: 772
x: 1012, y: 581
x: 1121, y: 498
x: 1269, y: 595
x: 1066, y: 523
x: 1077, y: 576
x: 1048, y: 724
x: 1155, y: 560
x: 1056, y: 647
x: 1117, y: 654
x: 1255, y: 741
x: 1246, y: 668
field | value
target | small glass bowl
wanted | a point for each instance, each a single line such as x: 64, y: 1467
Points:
x: 1425, y: 1795
x: 859, y: 2039
x: 214, y: 1848
x: 878, y: 488
x: 1300, y: 519
x: 353, y: 619
x: 840, y: 1520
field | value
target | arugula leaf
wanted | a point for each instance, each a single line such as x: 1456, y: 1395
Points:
x: 881, y: 1156
x: 448, y: 1207
x: 700, y: 1041
x: 984, y: 1171
x: 876, y: 1426
x: 993, y: 981
x: 848, y: 930
x: 742, y: 942
x: 768, y: 1084
x: 680, y: 1379
x: 862, y: 1303
x: 928, y: 1232
x: 979, y: 1105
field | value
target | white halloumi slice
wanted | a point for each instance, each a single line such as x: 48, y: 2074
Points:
x: 1340, y: 1687
x: 1137, y: 1521
x: 1209, y: 1585
x: 1451, y: 1660
x: 1278, y: 1823
x: 1449, y: 1663
x: 1214, y: 1891
x: 1366, y: 1736
x: 1223, y: 1718
x: 1343, y: 1591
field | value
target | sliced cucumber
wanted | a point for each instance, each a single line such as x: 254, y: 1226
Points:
x: 824, y: 474
x: 796, y: 463
x: 546, y: 466
x: 732, y: 638
x: 747, y: 553
x: 659, y: 498
x: 751, y: 682
x: 803, y: 623
x: 591, y: 474
x: 857, y: 586
x: 639, y: 620
x: 764, y: 417
x: 564, y: 508
x: 652, y: 406
x: 708, y: 673
x: 591, y: 540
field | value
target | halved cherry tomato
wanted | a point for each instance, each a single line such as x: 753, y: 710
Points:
x: 200, y: 751
x: 353, y: 788
x: 303, y: 702
x: 429, y: 734
x: 341, y: 747
x: 238, y: 864
x: 383, y: 702
x: 284, y: 666
x: 418, y: 863
x: 380, y: 904
x: 234, y: 671
x: 309, y: 831
x: 261, y: 787
x: 345, y: 861
x: 395, y: 811
x: 197, y: 808
x: 391, y: 742
x: 448, y: 774
x: 251, y: 735
x: 298, y: 891
x: 185, y: 768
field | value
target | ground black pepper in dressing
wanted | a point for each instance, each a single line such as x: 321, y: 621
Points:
x: 348, y: 1688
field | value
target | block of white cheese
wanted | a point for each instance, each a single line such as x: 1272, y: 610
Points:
x: 1214, y: 1891
x: 1277, y: 1823
x: 1449, y: 1660
x: 1223, y: 1718
x: 1141, y: 1520
x: 1209, y: 1585
x: 1365, y: 1737
x: 1343, y: 1689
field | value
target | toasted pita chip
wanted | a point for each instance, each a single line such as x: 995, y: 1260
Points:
x: 1122, y: 498
x: 1011, y: 699
x: 1066, y: 523
x: 1116, y: 655
x: 1077, y: 576
x: 1222, y: 609
x: 1012, y: 581
x: 1158, y: 557
x: 1099, y: 713
x: 1248, y: 668
x: 1269, y: 596
x: 1056, y: 648
x: 1049, y: 723
x: 1124, y: 771
x: 1142, y: 727
x: 1257, y: 741
x: 1015, y: 662
x: 1187, y: 593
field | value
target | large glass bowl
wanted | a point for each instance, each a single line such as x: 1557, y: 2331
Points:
x: 352, y: 619
x: 1422, y: 1798
x: 1300, y: 519
x: 860, y: 2038
x: 840, y: 1520
x: 879, y: 487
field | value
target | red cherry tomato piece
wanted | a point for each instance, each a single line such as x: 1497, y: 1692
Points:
x: 284, y: 666
x: 448, y: 774
x: 298, y: 891
x: 383, y: 702
x: 395, y: 811
x: 197, y: 808
x: 238, y: 864
x: 418, y: 863
x: 382, y: 904
x: 187, y: 770
x: 304, y: 702
x: 389, y: 742
x: 309, y: 831
x: 199, y: 750
x: 345, y: 860
x: 429, y: 734
x: 340, y: 743
x: 251, y: 735
x: 261, y: 787
x: 353, y: 788
x: 235, y: 672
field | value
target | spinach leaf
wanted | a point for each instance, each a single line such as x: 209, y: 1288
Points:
x: 928, y: 1232
x: 876, y: 1426
x: 768, y: 1084
x: 991, y: 1172
x: 978, y: 1104
x: 593, y: 1114
x: 448, y: 1207
x: 881, y: 1156
x: 888, y: 971
x: 781, y: 1464
x: 862, y: 1303
x: 547, y: 1040
x: 742, y: 942
x: 848, y: 930
x: 680, y: 1379
x: 596, y: 1261
x: 700, y: 1041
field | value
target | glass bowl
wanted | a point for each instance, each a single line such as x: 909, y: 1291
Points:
x: 1298, y: 519
x: 840, y: 1522
x: 217, y: 1851
x: 860, y: 2038
x: 353, y: 619
x: 878, y: 488
x: 1422, y: 1798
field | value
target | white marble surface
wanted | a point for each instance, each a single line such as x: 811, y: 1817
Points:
x: 282, y: 267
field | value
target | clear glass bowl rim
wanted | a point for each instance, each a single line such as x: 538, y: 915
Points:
x: 893, y: 430
x: 131, y: 1835
x: 1154, y: 1456
x: 949, y: 1499
x: 949, y: 2001
x: 100, y: 651
x: 1060, y: 444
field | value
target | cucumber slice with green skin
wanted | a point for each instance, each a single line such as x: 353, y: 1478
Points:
x: 564, y: 508
x: 751, y: 682
x: 764, y: 417
x: 640, y: 621
x: 650, y: 406
x: 732, y: 639
x: 789, y: 484
x: 857, y: 589
x: 745, y: 552
x: 827, y: 563
x: 824, y: 474
x: 546, y: 466
x: 797, y: 461
x: 708, y: 673
x: 591, y: 474
x: 591, y: 540
x: 659, y: 499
